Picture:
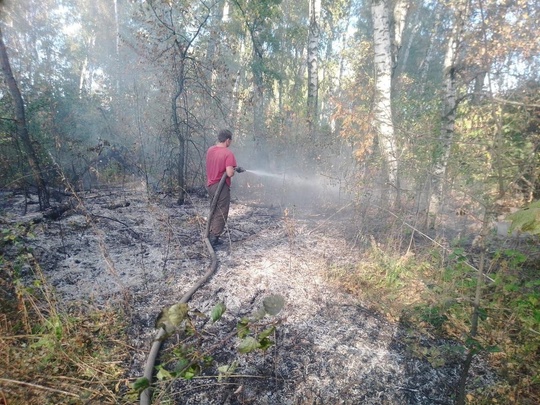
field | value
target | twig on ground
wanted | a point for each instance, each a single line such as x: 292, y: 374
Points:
x: 120, y: 222
x: 39, y: 387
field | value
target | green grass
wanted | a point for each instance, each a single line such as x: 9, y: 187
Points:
x: 434, y: 296
x: 51, y: 354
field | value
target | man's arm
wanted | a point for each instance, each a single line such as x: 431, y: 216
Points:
x: 230, y: 171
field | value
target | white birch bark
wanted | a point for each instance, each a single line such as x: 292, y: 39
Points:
x: 383, y: 84
x: 448, y: 113
x: 400, y: 16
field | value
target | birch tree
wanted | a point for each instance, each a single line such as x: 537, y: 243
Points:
x: 448, y: 113
x: 399, y: 19
x: 382, y: 110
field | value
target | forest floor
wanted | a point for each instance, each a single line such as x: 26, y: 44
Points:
x: 119, y: 247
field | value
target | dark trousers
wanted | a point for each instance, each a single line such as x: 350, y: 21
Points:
x: 217, y: 224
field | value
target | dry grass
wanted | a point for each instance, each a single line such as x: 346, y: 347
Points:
x: 54, y: 355
x: 434, y: 296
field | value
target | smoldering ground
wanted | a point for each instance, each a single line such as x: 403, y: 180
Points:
x: 329, y: 347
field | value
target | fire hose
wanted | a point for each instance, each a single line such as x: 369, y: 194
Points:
x: 146, y: 395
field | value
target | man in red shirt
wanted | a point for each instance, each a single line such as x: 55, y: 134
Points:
x: 220, y: 159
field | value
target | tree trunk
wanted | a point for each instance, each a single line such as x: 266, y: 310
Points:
x: 448, y: 117
x: 400, y: 16
x: 179, y: 79
x: 475, y: 317
x: 258, y: 93
x: 259, y: 109
x: 22, y: 129
x: 383, y: 97
x: 404, y: 56
x: 312, y: 62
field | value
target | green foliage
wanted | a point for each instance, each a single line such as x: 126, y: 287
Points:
x: 48, y: 344
x: 433, y: 315
x: 192, y: 356
x: 172, y: 318
x: 250, y: 339
x: 436, y: 300
x: 218, y: 312
x: 248, y: 344
x: 226, y: 371
x: 247, y: 330
x: 141, y: 384
x: 526, y: 219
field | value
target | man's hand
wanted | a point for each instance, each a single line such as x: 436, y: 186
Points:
x: 239, y: 169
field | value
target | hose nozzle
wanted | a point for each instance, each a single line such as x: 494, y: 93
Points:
x: 239, y: 169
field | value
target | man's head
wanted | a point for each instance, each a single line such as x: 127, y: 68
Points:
x: 224, y: 135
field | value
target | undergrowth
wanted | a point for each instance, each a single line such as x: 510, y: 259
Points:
x: 193, y: 354
x: 431, y: 292
x: 51, y: 354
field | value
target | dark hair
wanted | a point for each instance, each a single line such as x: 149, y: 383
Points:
x: 223, y: 135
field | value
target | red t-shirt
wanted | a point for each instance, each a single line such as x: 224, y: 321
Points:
x: 217, y: 160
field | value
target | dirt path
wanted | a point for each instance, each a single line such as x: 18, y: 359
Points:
x: 120, y: 248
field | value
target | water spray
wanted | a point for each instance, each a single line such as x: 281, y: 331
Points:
x: 263, y: 173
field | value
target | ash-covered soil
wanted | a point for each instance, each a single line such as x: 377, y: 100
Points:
x: 123, y: 247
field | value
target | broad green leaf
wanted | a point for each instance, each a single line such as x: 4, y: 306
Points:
x: 266, y: 333
x: 458, y: 254
x: 473, y: 344
x: 163, y: 374
x: 181, y: 364
x: 533, y: 283
x: 191, y: 372
x: 248, y: 344
x: 265, y: 343
x: 172, y: 317
x: 527, y: 219
x: 218, y: 311
x: 242, y: 328
x: 140, y: 384
x: 273, y: 304
x: 482, y: 314
x: 226, y: 370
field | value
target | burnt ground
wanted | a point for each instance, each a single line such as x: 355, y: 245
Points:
x: 123, y: 247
